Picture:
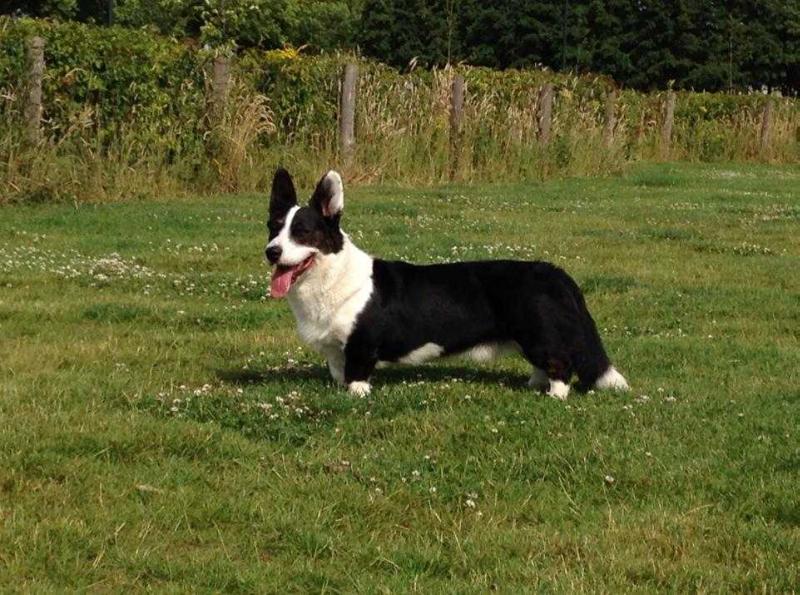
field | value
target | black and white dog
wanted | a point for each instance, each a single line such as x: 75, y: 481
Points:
x: 359, y: 311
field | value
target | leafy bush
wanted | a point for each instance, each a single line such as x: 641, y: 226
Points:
x: 128, y: 110
x: 103, y: 81
x: 266, y: 24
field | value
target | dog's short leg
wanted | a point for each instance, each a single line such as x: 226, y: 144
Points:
x: 336, y: 368
x: 539, y: 380
x: 335, y: 358
x: 559, y: 372
x: 551, y: 373
x: 359, y: 363
x: 356, y: 375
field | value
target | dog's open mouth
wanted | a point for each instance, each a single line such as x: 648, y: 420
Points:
x: 283, y: 277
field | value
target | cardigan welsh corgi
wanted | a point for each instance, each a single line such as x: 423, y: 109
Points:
x: 358, y: 311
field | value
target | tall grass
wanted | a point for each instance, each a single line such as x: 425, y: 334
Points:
x: 114, y: 129
x: 247, y: 117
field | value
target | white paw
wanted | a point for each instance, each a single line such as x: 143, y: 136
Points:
x: 359, y: 388
x: 612, y: 380
x: 558, y: 390
x: 538, y: 380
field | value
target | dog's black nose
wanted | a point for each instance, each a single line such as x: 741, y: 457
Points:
x: 273, y: 254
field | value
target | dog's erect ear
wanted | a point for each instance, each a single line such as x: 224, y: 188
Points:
x: 283, y: 196
x: 328, y: 197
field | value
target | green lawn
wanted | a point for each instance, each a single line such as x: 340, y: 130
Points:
x: 163, y: 428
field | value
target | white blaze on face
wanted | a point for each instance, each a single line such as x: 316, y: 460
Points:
x: 294, y: 260
x: 292, y: 253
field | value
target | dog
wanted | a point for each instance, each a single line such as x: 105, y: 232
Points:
x: 359, y: 311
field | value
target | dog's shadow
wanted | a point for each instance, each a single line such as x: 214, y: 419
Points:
x: 392, y: 375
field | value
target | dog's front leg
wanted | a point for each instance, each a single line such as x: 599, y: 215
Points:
x: 360, y: 360
x: 336, y: 367
x: 335, y: 359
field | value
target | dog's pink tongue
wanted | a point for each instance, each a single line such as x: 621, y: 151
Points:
x: 281, y: 281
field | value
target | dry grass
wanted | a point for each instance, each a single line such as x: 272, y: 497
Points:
x: 403, y: 136
x: 246, y: 120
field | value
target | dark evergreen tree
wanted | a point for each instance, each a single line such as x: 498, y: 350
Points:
x: 645, y: 44
x: 700, y: 44
x: 765, y: 36
x: 610, y: 37
x: 397, y: 31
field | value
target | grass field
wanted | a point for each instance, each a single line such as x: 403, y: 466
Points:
x: 162, y: 427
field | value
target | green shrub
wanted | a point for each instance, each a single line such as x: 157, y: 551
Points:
x: 125, y: 113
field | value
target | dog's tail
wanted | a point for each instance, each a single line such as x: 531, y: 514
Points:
x: 592, y: 365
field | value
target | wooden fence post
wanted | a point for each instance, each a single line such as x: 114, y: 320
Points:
x: 545, y: 113
x: 456, y: 117
x: 766, y: 127
x: 666, y: 125
x: 220, y: 84
x: 347, y: 112
x: 33, y: 97
x: 610, y: 119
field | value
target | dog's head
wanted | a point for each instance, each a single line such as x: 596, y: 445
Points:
x: 298, y: 235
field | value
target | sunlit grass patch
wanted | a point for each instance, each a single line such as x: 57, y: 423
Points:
x: 163, y: 428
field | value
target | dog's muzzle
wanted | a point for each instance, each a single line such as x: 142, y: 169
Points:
x: 273, y: 254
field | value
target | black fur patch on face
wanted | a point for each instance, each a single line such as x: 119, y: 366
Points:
x: 309, y: 228
x: 282, y: 198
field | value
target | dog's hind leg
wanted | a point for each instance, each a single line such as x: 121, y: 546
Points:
x: 552, y: 371
x: 539, y: 380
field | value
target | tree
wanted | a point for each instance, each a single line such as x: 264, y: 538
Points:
x: 701, y: 44
x: 397, y: 31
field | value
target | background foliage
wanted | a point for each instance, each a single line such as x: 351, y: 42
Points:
x: 268, y: 24
x: 126, y: 112
x: 644, y: 44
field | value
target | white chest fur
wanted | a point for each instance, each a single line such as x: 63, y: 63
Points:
x: 327, y: 300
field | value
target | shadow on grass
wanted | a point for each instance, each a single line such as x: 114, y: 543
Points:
x: 390, y: 375
x: 278, y: 406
